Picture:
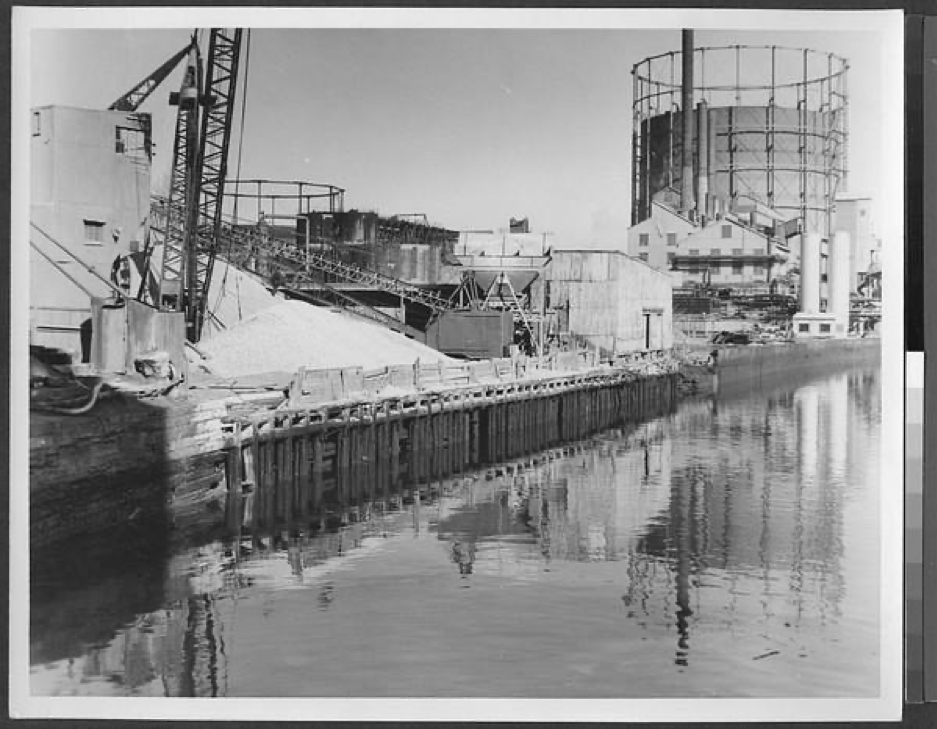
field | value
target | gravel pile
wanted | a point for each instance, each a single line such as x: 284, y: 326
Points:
x: 293, y: 334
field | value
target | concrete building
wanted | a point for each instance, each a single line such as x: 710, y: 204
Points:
x: 90, y: 192
x: 612, y: 301
x: 854, y: 215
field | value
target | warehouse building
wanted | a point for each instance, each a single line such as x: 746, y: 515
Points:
x: 609, y: 300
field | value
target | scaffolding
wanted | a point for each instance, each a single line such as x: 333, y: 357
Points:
x: 776, y: 126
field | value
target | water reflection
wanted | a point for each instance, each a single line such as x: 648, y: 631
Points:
x: 724, y: 520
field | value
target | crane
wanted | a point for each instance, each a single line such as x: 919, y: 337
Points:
x: 132, y: 100
x: 191, y: 217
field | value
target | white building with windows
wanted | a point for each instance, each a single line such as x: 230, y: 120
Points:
x: 731, y: 254
x: 654, y: 240
x: 89, y: 203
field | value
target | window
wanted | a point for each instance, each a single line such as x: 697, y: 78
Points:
x: 715, y: 252
x: 671, y: 239
x: 643, y: 257
x: 737, y: 268
x: 694, y: 251
x: 130, y: 142
x: 803, y: 327
x: 37, y: 124
x: 759, y: 251
x: 758, y: 270
x: 670, y: 257
x: 643, y: 239
x: 737, y: 252
x: 726, y: 231
x: 824, y: 328
x: 94, y: 232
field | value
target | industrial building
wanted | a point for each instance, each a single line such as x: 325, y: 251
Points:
x: 89, y: 203
x: 610, y: 301
x: 854, y: 215
x: 739, y: 177
x: 733, y: 254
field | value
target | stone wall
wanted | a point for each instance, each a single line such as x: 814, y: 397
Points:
x: 126, y: 459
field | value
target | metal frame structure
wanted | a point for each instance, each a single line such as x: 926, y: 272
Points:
x: 221, y: 83
x: 755, y: 91
x: 294, y: 197
x: 132, y: 100
x: 243, y: 245
x: 168, y: 222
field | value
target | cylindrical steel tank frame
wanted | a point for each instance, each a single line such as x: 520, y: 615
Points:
x: 778, y: 123
x: 275, y: 200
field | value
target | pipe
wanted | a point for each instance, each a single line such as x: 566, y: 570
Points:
x: 839, y: 280
x: 702, y: 167
x: 686, y: 114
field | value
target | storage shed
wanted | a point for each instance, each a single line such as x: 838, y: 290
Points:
x: 613, y: 301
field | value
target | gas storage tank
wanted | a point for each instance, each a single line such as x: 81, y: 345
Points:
x: 774, y: 121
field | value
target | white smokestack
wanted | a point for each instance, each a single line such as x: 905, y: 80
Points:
x: 810, y: 273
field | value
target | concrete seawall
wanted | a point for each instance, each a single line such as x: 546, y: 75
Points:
x: 125, y: 460
x: 746, y: 366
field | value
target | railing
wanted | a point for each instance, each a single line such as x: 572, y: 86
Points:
x: 320, y: 386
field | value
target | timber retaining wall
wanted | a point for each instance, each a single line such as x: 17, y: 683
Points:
x: 290, y: 470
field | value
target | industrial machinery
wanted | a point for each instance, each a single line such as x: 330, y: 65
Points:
x: 714, y: 126
x: 187, y: 225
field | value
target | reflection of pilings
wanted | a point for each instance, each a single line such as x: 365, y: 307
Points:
x: 305, y: 467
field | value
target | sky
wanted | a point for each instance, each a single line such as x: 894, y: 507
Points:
x: 469, y: 126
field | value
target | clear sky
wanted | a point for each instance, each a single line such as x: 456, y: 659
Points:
x: 470, y: 127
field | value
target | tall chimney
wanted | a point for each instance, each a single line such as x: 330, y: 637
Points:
x: 686, y: 114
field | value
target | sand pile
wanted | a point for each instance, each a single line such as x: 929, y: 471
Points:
x: 293, y: 334
x: 234, y: 296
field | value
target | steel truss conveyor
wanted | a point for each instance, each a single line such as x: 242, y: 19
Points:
x: 259, y: 250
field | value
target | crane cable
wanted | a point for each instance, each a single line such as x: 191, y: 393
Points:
x: 240, y: 146
x: 87, y: 266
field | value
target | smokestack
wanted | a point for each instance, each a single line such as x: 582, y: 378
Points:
x: 810, y: 273
x: 702, y: 167
x: 686, y: 108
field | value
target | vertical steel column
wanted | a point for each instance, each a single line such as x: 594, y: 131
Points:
x: 802, y: 156
x: 687, y: 202
x: 829, y: 191
x: 671, y: 109
x: 769, y: 136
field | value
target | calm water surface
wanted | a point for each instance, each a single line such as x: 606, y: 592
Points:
x: 728, y: 549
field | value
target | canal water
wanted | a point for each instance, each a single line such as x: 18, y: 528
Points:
x: 729, y: 548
